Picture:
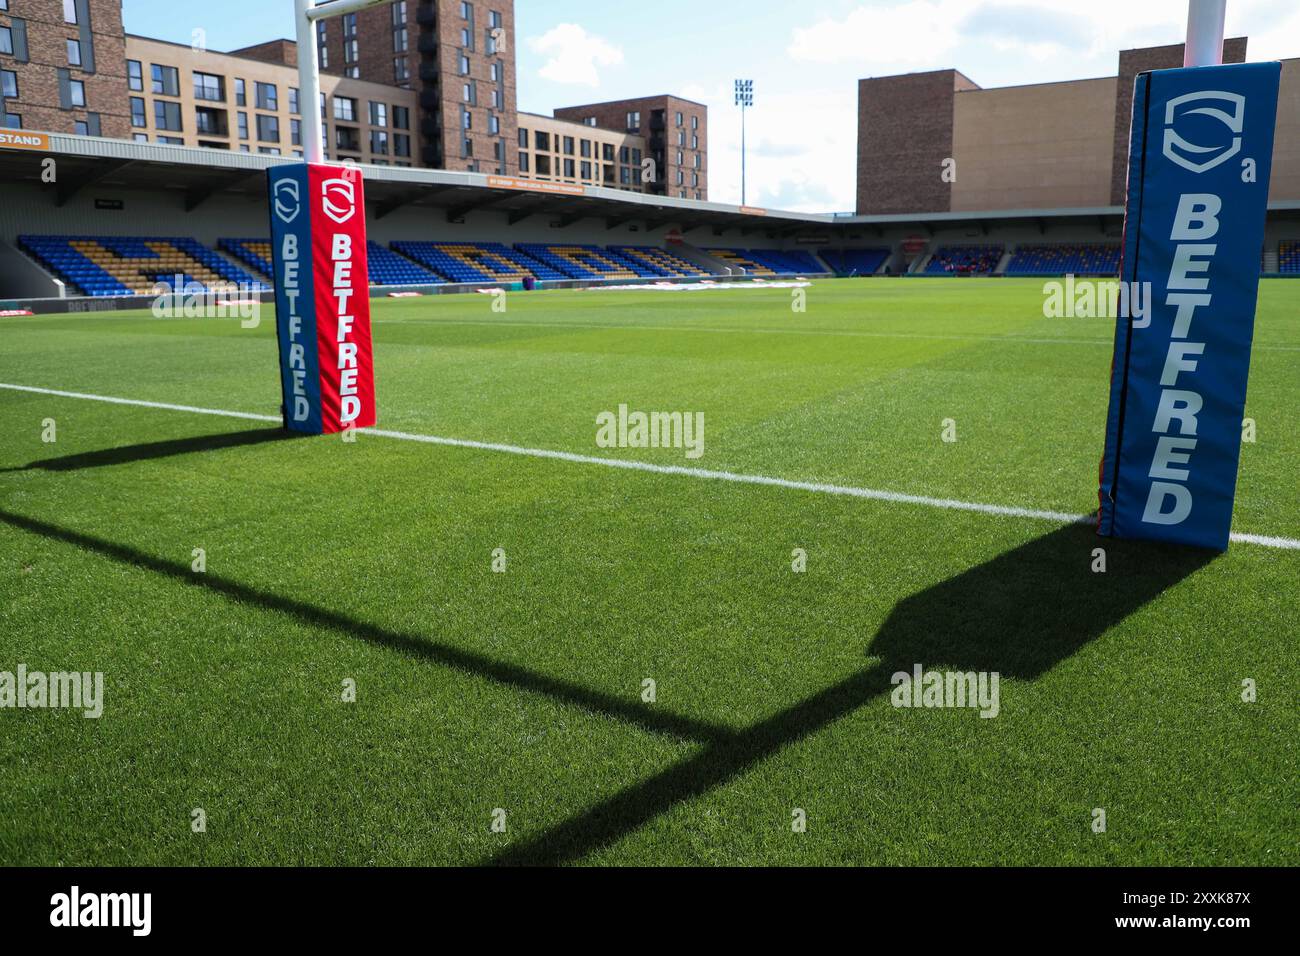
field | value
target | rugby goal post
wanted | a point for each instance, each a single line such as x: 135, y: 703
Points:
x: 317, y: 213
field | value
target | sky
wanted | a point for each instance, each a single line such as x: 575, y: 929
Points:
x: 804, y: 58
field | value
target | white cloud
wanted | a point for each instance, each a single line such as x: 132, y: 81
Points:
x: 573, y: 55
x: 914, y: 33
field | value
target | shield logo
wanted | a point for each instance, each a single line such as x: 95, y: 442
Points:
x: 1184, y: 153
x: 287, y: 199
x: 338, y: 199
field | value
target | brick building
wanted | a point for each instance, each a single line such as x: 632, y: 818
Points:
x: 414, y: 82
x: 1039, y: 146
x: 676, y: 132
x: 63, y: 67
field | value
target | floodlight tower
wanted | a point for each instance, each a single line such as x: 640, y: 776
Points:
x: 744, y: 98
x: 306, y: 14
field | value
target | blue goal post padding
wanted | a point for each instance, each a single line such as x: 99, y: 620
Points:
x: 1200, y: 152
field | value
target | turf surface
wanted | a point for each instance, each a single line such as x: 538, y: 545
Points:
x: 522, y: 690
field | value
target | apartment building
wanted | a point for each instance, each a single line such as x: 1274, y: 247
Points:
x: 62, y: 67
x: 676, y: 132
x: 555, y: 150
x: 188, y: 97
x: 456, y: 55
x: 414, y: 82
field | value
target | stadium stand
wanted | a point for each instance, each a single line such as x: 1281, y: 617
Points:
x: 476, y: 261
x: 737, y: 258
x: 386, y: 267
x: 117, y: 265
x: 586, y: 261
x: 1081, y: 259
x: 964, y: 260
x: 1288, y: 256
x: 660, y: 261
x: 255, y: 253
x: 789, y: 262
x: 863, y: 262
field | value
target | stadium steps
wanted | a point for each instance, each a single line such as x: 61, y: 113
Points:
x: 707, y: 264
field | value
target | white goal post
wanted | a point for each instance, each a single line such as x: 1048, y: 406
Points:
x: 306, y: 15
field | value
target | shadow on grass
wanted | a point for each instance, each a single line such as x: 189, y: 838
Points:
x: 149, y: 451
x: 416, y: 646
x: 1019, y: 614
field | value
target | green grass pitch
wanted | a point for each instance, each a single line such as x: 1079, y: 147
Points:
x: 371, y: 561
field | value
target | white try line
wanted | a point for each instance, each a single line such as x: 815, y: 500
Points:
x: 874, y: 494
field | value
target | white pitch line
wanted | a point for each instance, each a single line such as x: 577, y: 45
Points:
x: 874, y: 494
x: 1014, y: 338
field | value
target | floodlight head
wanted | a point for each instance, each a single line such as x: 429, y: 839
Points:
x: 744, y: 92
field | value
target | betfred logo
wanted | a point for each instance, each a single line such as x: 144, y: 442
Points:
x: 287, y: 200
x: 1182, y: 151
x: 338, y: 199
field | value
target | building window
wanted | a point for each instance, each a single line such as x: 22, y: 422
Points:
x: 695, y: 141
x: 584, y: 148
x: 465, y: 10
x: 293, y: 101
x: 166, y: 80
x: 137, y: 112
x: 241, y: 120
x: 607, y: 152
x: 523, y: 161
x: 9, y: 84
x: 69, y: 11
x: 589, y: 121
x: 697, y: 160
x: 134, y: 75
x: 695, y: 122
x: 140, y: 137
x: 490, y: 42
x: 268, y: 128
x: 401, y: 144
x: 322, y: 44
x: 209, y: 87
x: 6, y: 41
x: 585, y: 167
x: 494, y: 125
x: 464, y: 37
x: 77, y: 92
x: 379, y: 142
x: 13, y: 121
x: 167, y: 115
x: 401, y: 117
x: 466, y: 119
x: 399, y: 27
x: 496, y: 99
x: 495, y: 72
x: 267, y: 96
x: 295, y: 132
x: 345, y: 109
x: 210, y: 122
x: 241, y: 95
x: 681, y: 137
x: 74, y: 53
x: 634, y: 121
x: 568, y: 168
x: 348, y: 138
x: 523, y: 137
x: 494, y: 18
x: 401, y: 72
x: 679, y: 119
x: 464, y: 65
x: 378, y: 114
x: 542, y: 141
